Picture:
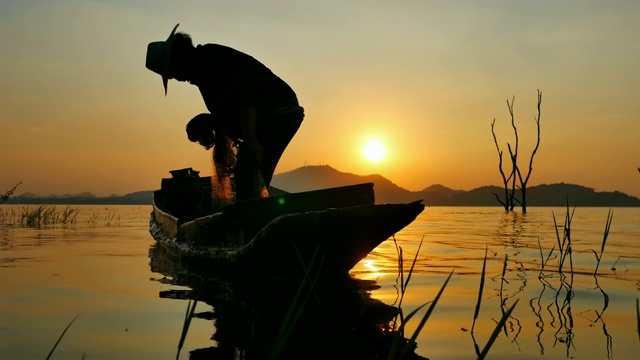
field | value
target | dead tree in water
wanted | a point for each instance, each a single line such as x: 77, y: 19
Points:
x: 510, y: 199
x: 523, y: 182
x: 508, y: 203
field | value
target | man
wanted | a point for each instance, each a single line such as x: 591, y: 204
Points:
x: 257, y: 108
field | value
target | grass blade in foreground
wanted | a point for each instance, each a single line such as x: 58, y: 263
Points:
x: 477, y: 311
x: 395, y: 344
x: 298, y: 303
x: 191, y: 308
x: 638, y: 317
x: 405, y: 283
x: 61, y: 335
x: 496, y: 331
x: 407, y: 347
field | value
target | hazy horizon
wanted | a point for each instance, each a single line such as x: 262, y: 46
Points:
x: 79, y: 110
x: 19, y: 193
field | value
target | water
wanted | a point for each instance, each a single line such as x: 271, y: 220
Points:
x: 100, y: 267
x: 597, y: 323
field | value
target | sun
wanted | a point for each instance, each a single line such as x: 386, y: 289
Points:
x: 374, y: 151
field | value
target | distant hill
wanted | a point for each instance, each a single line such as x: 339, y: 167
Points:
x: 136, y: 198
x: 323, y: 176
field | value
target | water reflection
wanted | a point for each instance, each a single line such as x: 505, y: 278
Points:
x: 599, y: 318
x: 562, y: 304
x: 256, y: 317
x: 553, y: 311
x: 49, y: 274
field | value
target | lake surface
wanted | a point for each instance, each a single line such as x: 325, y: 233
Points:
x: 131, y: 304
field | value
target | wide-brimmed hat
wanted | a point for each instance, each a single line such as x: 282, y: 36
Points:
x: 158, y: 53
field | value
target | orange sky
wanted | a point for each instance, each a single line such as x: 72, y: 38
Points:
x: 79, y: 111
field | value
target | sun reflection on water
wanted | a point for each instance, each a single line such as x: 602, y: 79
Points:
x: 559, y: 315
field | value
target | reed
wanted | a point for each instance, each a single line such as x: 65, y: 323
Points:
x: 404, y: 350
x: 607, y: 228
x: 478, y: 303
x: 295, y: 309
x: 68, y: 215
x: 564, y: 306
x: 61, y: 336
x: 543, y: 261
x: 93, y: 219
x: 8, y: 216
x: 496, y: 331
x: 638, y: 317
x: 425, y: 317
x: 398, y: 350
x: 404, y: 283
x: 191, y: 308
x: 564, y: 241
x: 111, y: 219
x: 502, y: 277
x: 47, y: 215
x: 505, y: 314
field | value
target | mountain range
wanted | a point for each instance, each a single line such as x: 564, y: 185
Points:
x: 85, y: 198
x: 315, y: 177
x: 323, y: 176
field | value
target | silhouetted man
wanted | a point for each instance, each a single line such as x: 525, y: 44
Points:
x: 257, y: 108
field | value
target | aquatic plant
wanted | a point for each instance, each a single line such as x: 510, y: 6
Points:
x: 638, y: 316
x: 398, y: 350
x: 496, y: 331
x: 505, y: 314
x: 297, y: 304
x: 607, y: 227
x: 502, y: 278
x: 93, y: 219
x: 8, y: 216
x: 564, y: 294
x: 47, y: 215
x: 564, y: 245
x: 482, y: 276
x: 404, y: 283
x: 60, y: 337
x: 111, y: 219
x: 191, y: 308
x: 404, y: 350
x: 543, y: 261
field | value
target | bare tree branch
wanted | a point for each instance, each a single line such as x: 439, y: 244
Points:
x: 8, y: 194
x: 514, y: 169
x: 510, y: 201
x: 500, y: 201
x: 514, y: 155
x: 505, y: 180
x: 535, y: 150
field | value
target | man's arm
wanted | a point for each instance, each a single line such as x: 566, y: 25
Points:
x: 250, y: 146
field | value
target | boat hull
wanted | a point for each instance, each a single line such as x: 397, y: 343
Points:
x: 332, y: 228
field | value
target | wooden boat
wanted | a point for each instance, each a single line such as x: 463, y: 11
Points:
x: 276, y: 234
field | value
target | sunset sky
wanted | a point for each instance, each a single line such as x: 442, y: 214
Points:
x: 80, y: 112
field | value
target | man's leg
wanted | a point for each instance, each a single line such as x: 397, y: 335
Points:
x: 248, y: 180
x: 275, y: 137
